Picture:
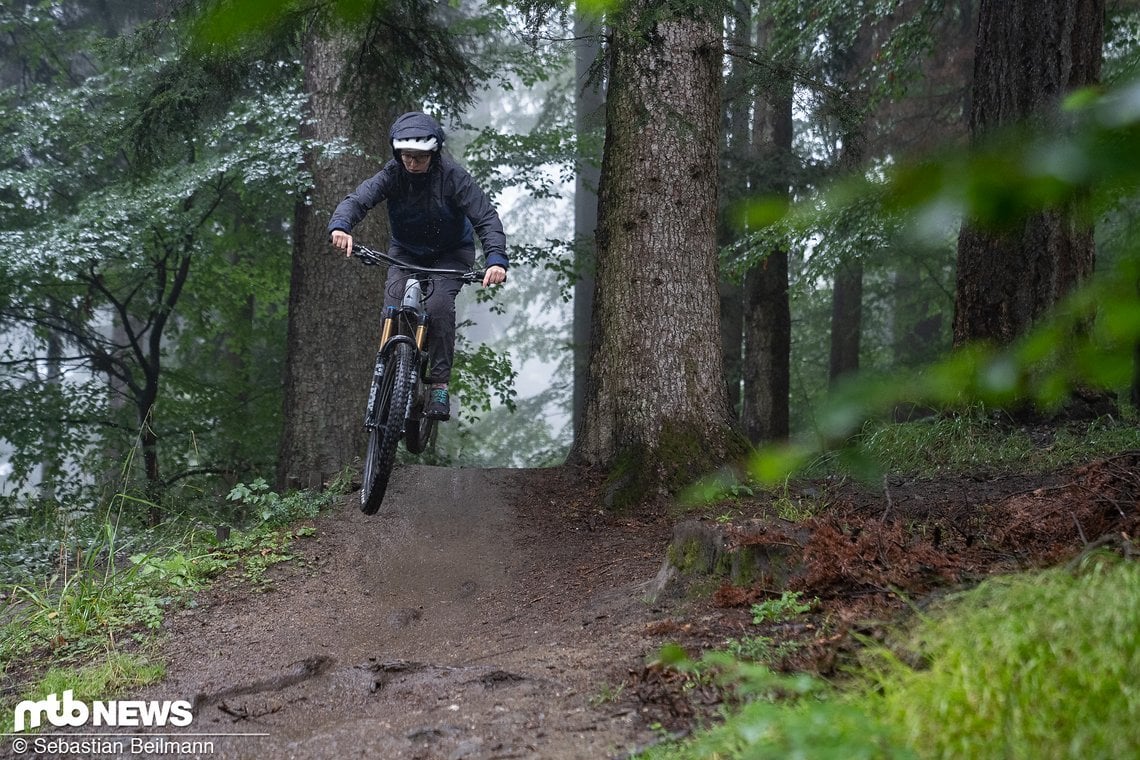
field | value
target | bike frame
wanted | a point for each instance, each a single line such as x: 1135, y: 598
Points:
x: 406, y: 323
x: 397, y: 396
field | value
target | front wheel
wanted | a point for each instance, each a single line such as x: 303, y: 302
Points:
x: 392, y: 396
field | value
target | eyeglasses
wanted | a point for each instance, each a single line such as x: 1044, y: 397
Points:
x: 414, y: 158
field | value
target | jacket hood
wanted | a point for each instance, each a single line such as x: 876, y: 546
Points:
x: 415, y: 125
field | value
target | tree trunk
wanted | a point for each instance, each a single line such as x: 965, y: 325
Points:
x: 1029, y: 54
x: 846, y: 320
x: 847, y: 286
x: 767, y: 309
x: 767, y: 350
x: 737, y: 184
x: 589, y: 121
x: 847, y: 295
x: 732, y: 343
x: 51, y: 468
x: 334, y: 303
x: 656, y: 409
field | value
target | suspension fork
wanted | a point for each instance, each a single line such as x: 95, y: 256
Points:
x: 378, y: 368
x: 421, y: 331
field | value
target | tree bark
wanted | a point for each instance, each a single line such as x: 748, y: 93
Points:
x: 1029, y: 54
x: 846, y: 320
x: 737, y: 184
x: 847, y: 287
x: 767, y: 308
x: 589, y: 120
x: 334, y: 303
x: 656, y: 408
x: 847, y: 293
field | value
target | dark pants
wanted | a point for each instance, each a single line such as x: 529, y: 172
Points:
x: 440, y: 304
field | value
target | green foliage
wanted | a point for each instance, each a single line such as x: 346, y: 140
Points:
x: 106, y: 582
x: 116, y: 672
x: 525, y: 161
x: 720, y: 486
x: 761, y: 649
x: 974, y: 440
x: 786, y: 607
x: 1087, y: 342
x: 146, y: 195
x: 90, y: 602
x: 479, y: 374
x: 607, y: 694
x: 907, y: 285
x: 1034, y: 665
x: 274, y: 510
x: 522, y: 438
x: 1040, y: 665
x: 779, y: 716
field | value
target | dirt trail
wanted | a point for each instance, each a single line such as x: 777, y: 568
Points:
x: 453, y: 624
x: 498, y: 614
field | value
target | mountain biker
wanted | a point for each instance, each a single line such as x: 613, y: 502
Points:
x: 434, y: 207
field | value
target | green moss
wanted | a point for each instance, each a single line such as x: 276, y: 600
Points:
x: 692, y: 557
x: 643, y: 474
x: 743, y: 569
x: 723, y: 566
x: 679, y: 556
x: 689, y: 556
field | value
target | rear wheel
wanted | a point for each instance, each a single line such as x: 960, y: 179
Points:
x: 419, y: 428
x: 390, y: 405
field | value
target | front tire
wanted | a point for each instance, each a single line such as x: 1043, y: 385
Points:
x: 391, y: 404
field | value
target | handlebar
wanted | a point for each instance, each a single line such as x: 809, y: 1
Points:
x: 374, y: 258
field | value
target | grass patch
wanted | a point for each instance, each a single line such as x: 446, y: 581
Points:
x: 1036, y: 665
x: 1042, y: 665
x: 116, y: 673
x: 105, y: 593
x: 776, y: 717
x: 976, y: 441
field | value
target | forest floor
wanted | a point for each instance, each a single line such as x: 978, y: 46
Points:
x: 500, y: 614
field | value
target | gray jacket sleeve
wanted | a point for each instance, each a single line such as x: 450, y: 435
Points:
x: 363, y: 199
x: 484, y: 218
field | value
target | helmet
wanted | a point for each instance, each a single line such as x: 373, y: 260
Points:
x: 416, y: 131
x: 416, y: 143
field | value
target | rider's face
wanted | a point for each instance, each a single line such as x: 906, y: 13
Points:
x: 416, y: 161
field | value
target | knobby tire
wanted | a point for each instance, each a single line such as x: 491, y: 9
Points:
x: 420, y: 427
x: 394, y: 395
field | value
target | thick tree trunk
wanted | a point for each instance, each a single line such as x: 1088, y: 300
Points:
x: 589, y: 121
x: 767, y: 309
x: 767, y: 350
x: 656, y: 408
x: 334, y: 303
x: 1029, y: 54
x: 737, y: 184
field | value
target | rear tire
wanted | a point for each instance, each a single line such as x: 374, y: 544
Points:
x: 391, y: 404
x: 419, y: 427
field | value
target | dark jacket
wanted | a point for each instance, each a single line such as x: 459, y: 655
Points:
x: 429, y: 213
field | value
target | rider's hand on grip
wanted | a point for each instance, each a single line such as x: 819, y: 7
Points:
x: 343, y: 241
x: 494, y: 276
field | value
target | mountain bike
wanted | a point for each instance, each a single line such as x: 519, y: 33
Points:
x: 399, y: 390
